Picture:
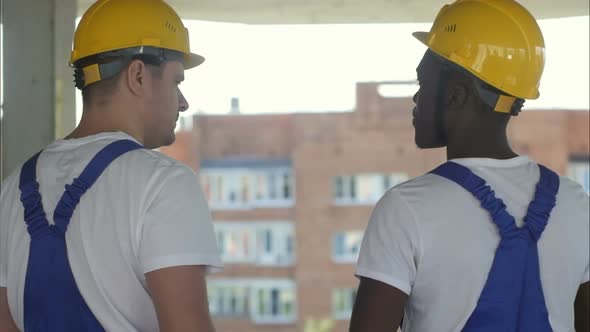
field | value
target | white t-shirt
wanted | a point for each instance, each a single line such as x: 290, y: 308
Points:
x: 430, y: 238
x: 145, y: 212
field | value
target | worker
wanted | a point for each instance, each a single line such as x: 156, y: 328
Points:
x: 99, y: 232
x: 489, y: 240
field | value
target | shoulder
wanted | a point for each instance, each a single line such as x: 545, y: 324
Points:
x: 425, y: 188
x: 9, y: 198
x: 571, y: 188
x: 10, y: 183
x: 408, y: 199
x: 155, y: 166
x: 572, y: 198
x: 152, y: 177
x: 166, y: 180
x: 9, y: 191
x: 156, y: 159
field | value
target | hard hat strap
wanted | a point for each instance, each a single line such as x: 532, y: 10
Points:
x: 493, y: 97
x: 95, y: 72
x: 106, y: 65
x: 500, y: 102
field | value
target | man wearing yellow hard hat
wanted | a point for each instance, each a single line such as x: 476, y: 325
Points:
x: 97, y: 231
x: 489, y: 241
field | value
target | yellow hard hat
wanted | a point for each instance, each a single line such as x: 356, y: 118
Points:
x: 111, y: 25
x: 498, y: 41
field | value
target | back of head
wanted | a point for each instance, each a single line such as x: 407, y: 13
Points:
x: 498, y: 42
x: 129, y: 57
x: 113, y: 32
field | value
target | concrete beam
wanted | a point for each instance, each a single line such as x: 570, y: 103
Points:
x: 38, y: 90
x: 340, y: 11
x: 65, y: 92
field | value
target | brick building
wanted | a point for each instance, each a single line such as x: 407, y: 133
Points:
x: 291, y: 194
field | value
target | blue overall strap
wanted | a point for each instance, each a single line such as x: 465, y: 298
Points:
x: 512, y: 298
x: 71, y: 197
x: 533, y: 309
x: 35, y: 218
x: 52, y: 301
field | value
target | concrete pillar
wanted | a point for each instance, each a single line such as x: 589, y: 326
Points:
x: 65, y: 92
x: 39, y: 98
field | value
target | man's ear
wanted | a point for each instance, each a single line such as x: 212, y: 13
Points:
x: 136, y: 77
x: 457, y: 95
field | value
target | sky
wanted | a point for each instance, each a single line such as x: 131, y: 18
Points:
x: 310, y: 68
x: 314, y: 68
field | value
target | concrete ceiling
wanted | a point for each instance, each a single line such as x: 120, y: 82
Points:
x: 340, y: 11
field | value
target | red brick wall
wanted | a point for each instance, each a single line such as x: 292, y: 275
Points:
x: 376, y: 137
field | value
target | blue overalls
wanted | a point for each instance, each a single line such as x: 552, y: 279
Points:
x: 512, y: 298
x: 52, y: 301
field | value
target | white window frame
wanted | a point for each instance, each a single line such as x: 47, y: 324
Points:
x: 231, y: 180
x: 377, y: 191
x: 279, y: 201
x: 252, y: 287
x: 579, y: 171
x: 269, y: 286
x: 375, y: 182
x: 395, y: 179
x: 282, y: 235
x: 215, y: 288
x: 346, y: 257
x: 184, y: 123
x: 349, y: 295
x: 236, y: 228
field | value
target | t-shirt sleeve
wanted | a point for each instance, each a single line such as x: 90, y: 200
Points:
x: 390, y: 247
x: 3, y: 258
x: 177, y: 227
x: 586, y: 218
x: 3, y: 237
x: 582, y: 206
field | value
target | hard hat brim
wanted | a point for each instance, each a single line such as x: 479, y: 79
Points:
x: 192, y: 60
x: 421, y: 36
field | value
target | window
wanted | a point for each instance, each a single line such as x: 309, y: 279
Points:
x: 229, y: 189
x: 580, y: 171
x: 234, y: 188
x: 275, y: 244
x: 273, y: 302
x: 227, y: 300
x: 264, y: 301
x: 236, y: 242
x: 274, y: 186
x: 342, y: 302
x: 344, y: 188
x: 184, y: 123
x: 339, y: 187
x: 392, y: 180
x: 261, y: 243
x: 368, y: 188
x: 245, y: 188
x: 346, y: 246
x: 364, y: 188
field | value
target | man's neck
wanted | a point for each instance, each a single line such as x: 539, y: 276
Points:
x: 93, y: 123
x: 480, y: 145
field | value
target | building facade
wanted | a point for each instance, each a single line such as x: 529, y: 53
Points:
x: 291, y: 195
